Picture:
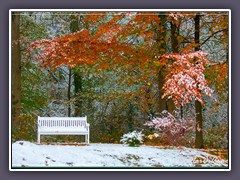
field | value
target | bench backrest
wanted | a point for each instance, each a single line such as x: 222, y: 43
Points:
x: 62, y: 122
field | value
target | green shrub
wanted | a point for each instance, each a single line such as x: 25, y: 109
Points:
x: 25, y: 129
x: 216, y: 137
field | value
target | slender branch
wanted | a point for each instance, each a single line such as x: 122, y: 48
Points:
x: 53, y: 76
x: 212, y: 35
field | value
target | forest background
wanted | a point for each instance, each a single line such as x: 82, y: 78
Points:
x: 121, y: 70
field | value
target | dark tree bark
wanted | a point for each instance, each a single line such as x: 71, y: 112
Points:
x: 161, y: 43
x: 165, y: 104
x: 162, y: 103
x: 175, y: 47
x: 198, y: 105
x: 69, y: 91
x: 74, y: 27
x: 16, y: 67
x: 78, y: 90
x: 174, y: 40
x: 130, y: 117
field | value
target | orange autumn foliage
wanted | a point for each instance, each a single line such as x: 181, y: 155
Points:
x: 126, y: 39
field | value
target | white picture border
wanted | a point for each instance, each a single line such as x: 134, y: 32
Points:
x: 119, y: 10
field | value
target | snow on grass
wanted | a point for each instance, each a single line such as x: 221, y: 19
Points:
x: 27, y: 154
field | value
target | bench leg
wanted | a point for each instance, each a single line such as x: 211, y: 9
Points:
x: 88, y: 138
x: 38, y: 139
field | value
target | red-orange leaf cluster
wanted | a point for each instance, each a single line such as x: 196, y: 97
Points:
x: 77, y: 49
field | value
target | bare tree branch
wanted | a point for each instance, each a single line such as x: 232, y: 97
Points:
x: 212, y: 35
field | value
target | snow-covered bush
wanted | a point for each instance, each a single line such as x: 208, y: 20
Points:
x: 132, y: 138
x: 170, y: 130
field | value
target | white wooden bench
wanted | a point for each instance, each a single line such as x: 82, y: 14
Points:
x: 63, y: 126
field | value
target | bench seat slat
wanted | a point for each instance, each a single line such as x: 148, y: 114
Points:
x: 60, y: 129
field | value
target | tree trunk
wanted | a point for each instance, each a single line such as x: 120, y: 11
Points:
x: 78, y: 89
x: 162, y: 102
x: 165, y: 104
x: 198, y: 105
x: 199, y: 125
x: 174, y: 40
x: 130, y: 117
x: 69, y: 92
x: 74, y: 27
x: 16, y: 67
x: 174, y: 44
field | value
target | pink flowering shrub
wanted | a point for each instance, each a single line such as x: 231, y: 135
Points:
x: 185, y: 81
x: 170, y: 130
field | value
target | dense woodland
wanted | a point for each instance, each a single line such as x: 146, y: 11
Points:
x: 122, y: 70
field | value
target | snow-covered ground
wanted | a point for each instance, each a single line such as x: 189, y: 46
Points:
x: 26, y: 154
